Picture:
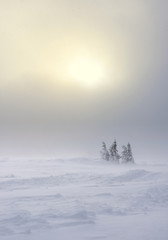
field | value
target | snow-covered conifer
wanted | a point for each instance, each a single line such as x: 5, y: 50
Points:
x: 130, y: 156
x: 127, y: 154
x: 104, y: 152
x: 114, y: 156
x: 124, y: 155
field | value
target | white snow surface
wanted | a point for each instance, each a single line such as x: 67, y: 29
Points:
x: 82, y: 199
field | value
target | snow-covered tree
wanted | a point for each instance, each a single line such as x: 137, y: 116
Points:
x: 130, y: 156
x: 114, y: 156
x: 104, y: 152
x: 127, y: 154
x: 124, y: 154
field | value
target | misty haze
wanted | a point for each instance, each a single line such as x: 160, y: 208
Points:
x: 83, y: 119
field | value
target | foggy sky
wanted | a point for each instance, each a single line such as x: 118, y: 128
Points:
x: 41, y: 113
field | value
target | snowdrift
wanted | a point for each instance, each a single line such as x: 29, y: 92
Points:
x: 82, y: 199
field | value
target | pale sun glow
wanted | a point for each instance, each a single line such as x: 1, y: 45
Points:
x: 86, y: 72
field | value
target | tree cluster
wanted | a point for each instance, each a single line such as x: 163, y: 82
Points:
x: 112, y: 154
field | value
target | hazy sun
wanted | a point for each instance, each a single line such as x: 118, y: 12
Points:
x: 87, y: 72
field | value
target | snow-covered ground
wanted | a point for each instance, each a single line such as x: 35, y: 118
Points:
x: 82, y: 199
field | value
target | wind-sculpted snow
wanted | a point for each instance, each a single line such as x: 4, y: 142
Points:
x: 81, y: 196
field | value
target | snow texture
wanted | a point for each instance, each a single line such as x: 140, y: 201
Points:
x: 82, y: 199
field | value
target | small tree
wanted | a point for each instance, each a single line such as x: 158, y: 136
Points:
x: 130, y: 156
x: 127, y: 154
x: 114, y: 156
x: 124, y: 154
x: 104, y: 152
